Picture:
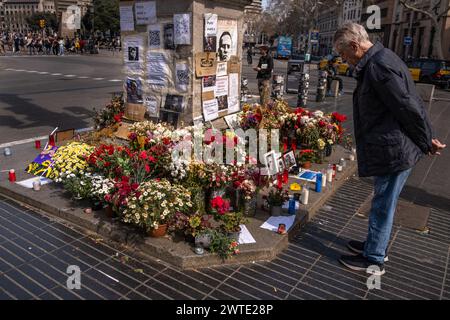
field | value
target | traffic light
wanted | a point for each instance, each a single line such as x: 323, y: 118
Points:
x: 42, y: 23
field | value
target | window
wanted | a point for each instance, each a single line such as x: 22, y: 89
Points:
x: 429, y: 66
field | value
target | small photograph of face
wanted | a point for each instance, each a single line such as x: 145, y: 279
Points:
x: 225, y: 44
x: 169, y: 36
x: 133, y: 53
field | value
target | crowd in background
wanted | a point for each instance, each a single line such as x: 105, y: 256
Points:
x: 33, y: 43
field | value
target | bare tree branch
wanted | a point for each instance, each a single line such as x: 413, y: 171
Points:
x: 408, y: 6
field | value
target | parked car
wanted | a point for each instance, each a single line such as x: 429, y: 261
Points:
x: 432, y: 71
x: 345, y: 69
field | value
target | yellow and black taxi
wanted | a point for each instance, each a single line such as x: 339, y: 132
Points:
x: 341, y: 67
x: 432, y: 71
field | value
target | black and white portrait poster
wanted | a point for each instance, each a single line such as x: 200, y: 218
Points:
x: 226, y: 39
x: 182, y: 78
x: 154, y: 36
x: 168, y: 36
x: 182, y: 28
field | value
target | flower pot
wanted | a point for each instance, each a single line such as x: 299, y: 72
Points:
x: 276, y: 210
x: 160, y: 232
x: 306, y: 165
x: 234, y: 235
x: 250, y: 207
x: 203, y: 241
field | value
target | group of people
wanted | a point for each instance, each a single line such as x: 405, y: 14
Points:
x: 38, y: 44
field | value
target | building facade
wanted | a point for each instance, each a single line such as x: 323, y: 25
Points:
x: 419, y: 28
x: 252, y: 15
x: 351, y: 11
x: 328, y: 20
x: 15, y: 13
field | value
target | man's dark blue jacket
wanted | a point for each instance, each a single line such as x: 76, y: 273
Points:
x: 392, y: 128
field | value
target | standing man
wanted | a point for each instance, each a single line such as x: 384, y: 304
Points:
x: 392, y: 132
x: 264, y: 68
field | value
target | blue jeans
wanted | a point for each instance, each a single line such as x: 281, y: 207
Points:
x: 387, y: 190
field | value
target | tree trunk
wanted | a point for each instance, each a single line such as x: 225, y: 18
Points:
x: 437, y: 43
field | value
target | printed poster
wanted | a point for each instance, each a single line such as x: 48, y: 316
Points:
x: 227, y: 39
x: 182, y: 28
x: 210, y: 110
x: 233, y: 96
x: 205, y: 64
x: 222, y: 69
x: 182, y: 76
x: 133, y: 88
x: 209, y: 84
x: 145, y: 12
x: 168, y: 36
x: 154, y: 36
x: 133, y: 55
x: 221, y: 86
x: 152, y: 103
x: 210, y: 37
x: 159, y: 73
x: 126, y: 18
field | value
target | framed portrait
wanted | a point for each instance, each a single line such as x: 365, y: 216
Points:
x: 289, y: 160
x: 271, y: 162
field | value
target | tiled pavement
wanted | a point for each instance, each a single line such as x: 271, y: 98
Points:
x: 36, y: 251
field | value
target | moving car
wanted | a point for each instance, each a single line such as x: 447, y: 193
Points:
x: 432, y: 71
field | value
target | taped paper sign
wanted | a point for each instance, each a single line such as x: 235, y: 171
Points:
x: 133, y: 54
x: 205, y: 64
x: 208, y: 84
x: 210, y: 38
x: 145, y: 12
x: 222, y: 69
x: 154, y: 36
x: 210, y: 110
x: 152, y: 103
x: 182, y: 76
x: 126, y: 18
x: 133, y: 87
x: 182, y: 28
x: 221, y: 86
x: 234, y: 65
x: 159, y: 72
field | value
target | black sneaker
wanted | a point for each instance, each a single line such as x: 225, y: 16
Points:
x: 361, y: 263
x: 358, y: 247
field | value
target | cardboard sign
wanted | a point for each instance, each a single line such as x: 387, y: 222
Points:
x: 65, y: 135
x: 205, y: 64
x: 234, y: 65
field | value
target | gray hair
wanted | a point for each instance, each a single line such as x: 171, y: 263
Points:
x: 349, y: 32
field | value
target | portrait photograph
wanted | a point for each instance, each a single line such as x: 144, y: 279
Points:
x: 271, y: 163
x: 174, y: 103
x: 133, y: 53
x: 289, y: 159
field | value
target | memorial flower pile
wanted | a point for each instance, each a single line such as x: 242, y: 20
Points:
x: 71, y: 158
x: 155, y: 202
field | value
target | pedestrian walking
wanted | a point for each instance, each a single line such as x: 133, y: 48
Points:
x: 264, y: 68
x: 392, y: 132
x: 250, y: 55
x: 61, y: 47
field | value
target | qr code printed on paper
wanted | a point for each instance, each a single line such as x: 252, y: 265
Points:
x: 183, y: 77
x: 154, y: 38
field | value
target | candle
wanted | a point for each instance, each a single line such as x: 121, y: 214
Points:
x: 279, y: 182
x: 285, y: 176
x: 294, y: 144
x: 12, y: 175
x: 352, y: 157
x: 7, y: 151
x: 305, y: 195
x: 285, y: 141
x: 37, y: 185
x: 339, y: 168
x: 324, y: 178
x: 37, y: 144
x: 330, y: 174
x: 334, y: 171
x: 51, y: 140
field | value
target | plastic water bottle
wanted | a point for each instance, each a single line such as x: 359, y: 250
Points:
x: 319, y: 182
x: 291, y: 209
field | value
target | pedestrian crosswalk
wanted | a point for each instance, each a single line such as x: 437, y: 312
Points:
x: 62, y: 75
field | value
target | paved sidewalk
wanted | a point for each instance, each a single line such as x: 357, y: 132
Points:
x: 36, y: 251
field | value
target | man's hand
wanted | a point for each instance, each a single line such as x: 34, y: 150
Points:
x: 257, y: 69
x: 436, y: 147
